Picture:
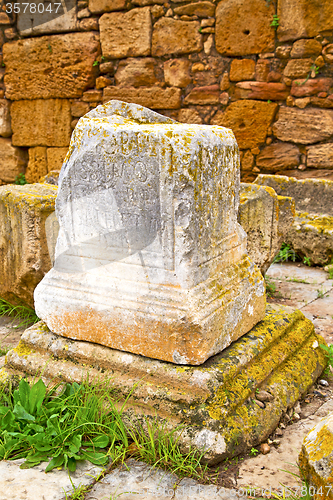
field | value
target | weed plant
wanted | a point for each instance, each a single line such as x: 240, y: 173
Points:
x: 26, y: 315
x: 270, y: 286
x: 70, y: 423
x: 285, y: 254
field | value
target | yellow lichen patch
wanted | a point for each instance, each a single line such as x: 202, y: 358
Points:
x: 22, y: 349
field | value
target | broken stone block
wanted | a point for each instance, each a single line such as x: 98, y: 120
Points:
x: 243, y: 27
x: 277, y: 157
x: 213, y: 402
x: 305, y: 48
x: 259, y: 216
x: 126, y: 34
x: 150, y: 257
x: 203, y: 95
x: 50, y: 66
x: 12, y: 161
x: 261, y: 90
x: 315, y: 459
x: 242, y: 69
x: 200, y: 9
x: 24, y: 256
x: 41, y: 122
x: 301, y: 88
x: 311, y: 234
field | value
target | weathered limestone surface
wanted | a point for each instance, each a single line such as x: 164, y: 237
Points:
x: 315, y: 459
x: 304, y: 126
x: 50, y: 66
x: 152, y: 97
x: 150, y: 257
x: 41, y: 122
x: 259, y: 217
x: 311, y: 234
x: 25, y: 484
x: 126, y: 34
x: 12, y: 161
x: 215, y: 402
x: 303, y: 18
x: 171, y: 36
x: 249, y: 121
x: 5, y: 128
x: 24, y: 256
x: 243, y: 27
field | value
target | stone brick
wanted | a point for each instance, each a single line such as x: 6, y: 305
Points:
x: 262, y: 70
x: 177, y: 72
x: 303, y: 102
x: 304, y: 126
x: 247, y: 161
x: 136, y: 72
x: 298, y: 68
x: 143, y: 3
x: 242, y: 69
x: 92, y: 96
x: 303, y: 18
x: 126, y: 34
x: 37, y: 166
x: 320, y: 156
x: 107, y: 67
x: 24, y: 256
x: 102, y: 82
x: 305, y: 48
x: 322, y: 103
x: 171, y: 36
x: 101, y: 6
x: 12, y: 161
x: 5, y: 128
x: 41, y: 122
x: 302, y: 88
x: 249, y: 120
x: 200, y: 9
x: 47, y: 67
x: 243, y: 27
x: 188, y: 115
x: 55, y: 158
x: 263, y: 90
x: 283, y: 51
x: 203, y: 95
x: 89, y: 24
x: 153, y: 97
x: 225, y: 82
x: 277, y: 157
x: 79, y: 108
x: 328, y: 53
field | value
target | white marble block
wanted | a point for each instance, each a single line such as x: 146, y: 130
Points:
x: 150, y: 257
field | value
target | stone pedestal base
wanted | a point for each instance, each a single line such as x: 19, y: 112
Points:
x: 215, y: 402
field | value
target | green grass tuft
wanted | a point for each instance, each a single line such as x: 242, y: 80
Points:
x: 25, y: 314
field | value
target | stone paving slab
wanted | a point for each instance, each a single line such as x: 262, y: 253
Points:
x: 35, y: 484
x: 289, y: 270
x: 137, y: 480
x: 268, y: 471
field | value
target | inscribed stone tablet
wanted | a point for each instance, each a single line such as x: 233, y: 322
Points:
x: 150, y: 258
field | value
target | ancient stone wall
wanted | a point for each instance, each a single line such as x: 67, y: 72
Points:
x: 262, y: 68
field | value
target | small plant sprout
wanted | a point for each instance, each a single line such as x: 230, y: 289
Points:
x: 24, y: 314
x: 270, y: 286
x: 20, y: 180
x: 275, y: 22
x: 254, y: 452
x: 307, y: 261
x: 285, y: 254
x: 320, y: 294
